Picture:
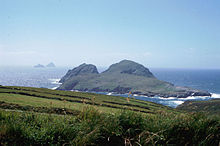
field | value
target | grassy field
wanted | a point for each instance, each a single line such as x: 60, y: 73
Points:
x: 38, y: 116
x: 68, y: 100
x: 212, y: 107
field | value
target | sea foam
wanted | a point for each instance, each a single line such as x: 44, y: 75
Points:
x: 55, y: 81
x: 214, y: 95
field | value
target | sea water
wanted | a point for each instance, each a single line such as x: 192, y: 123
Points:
x: 208, y: 80
x: 32, y: 77
x: 204, y: 79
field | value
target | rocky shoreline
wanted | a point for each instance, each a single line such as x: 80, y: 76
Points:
x: 150, y: 94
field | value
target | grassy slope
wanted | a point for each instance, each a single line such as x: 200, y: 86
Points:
x: 37, y: 116
x: 109, y: 81
x: 212, y: 107
x: 38, y: 97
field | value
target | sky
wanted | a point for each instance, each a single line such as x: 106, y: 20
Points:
x: 155, y: 33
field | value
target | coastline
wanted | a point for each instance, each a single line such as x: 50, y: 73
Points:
x: 167, y: 101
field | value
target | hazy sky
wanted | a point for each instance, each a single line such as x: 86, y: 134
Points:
x: 156, y: 33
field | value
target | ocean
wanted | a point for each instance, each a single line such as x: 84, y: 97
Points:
x: 208, y: 80
x: 31, y: 77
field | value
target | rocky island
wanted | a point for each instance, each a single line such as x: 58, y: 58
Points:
x: 39, y: 66
x: 50, y: 65
x: 121, y: 78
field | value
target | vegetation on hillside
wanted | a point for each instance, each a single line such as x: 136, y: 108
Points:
x: 68, y: 100
x: 91, y: 127
x: 212, y: 107
x: 37, y: 116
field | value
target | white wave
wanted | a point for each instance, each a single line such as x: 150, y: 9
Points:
x: 195, y: 98
x: 189, y: 98
x: 215, y: 95
x: 74, y: 90
x: 109, y: 93
x: 146, y: 96
x: 167, y: 98
x: 55, y: 81
x: 173, y: 103
x: 178, y: 102
x: 54, y: 88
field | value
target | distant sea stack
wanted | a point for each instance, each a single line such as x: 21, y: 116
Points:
x: 39, y: 66
x: 50, y: 65
x: 42, y: 66
x: 121, y: 78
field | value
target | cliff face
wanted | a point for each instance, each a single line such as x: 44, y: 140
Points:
x: 123, y: 77
x: 83, y: 69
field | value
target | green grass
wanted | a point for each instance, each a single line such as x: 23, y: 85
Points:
x: 37, y: 116
x: 91, y: 127
x: 212, y: 107
x: 38, y: 97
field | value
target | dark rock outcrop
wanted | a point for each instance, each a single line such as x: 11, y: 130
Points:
x: 83, y: 69
x: 121, y: 90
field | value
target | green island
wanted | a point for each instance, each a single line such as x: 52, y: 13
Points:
x: 39, y: 116
x: 123, y: 77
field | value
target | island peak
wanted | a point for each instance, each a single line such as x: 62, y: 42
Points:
x: 50, y: 65
x: 129, y: 67
x: 83, y: 69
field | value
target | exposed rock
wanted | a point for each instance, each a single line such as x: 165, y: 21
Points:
x: 121, y: 90
x: 83, y: 69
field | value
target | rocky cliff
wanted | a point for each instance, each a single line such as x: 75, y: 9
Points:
x: 83, y: 69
